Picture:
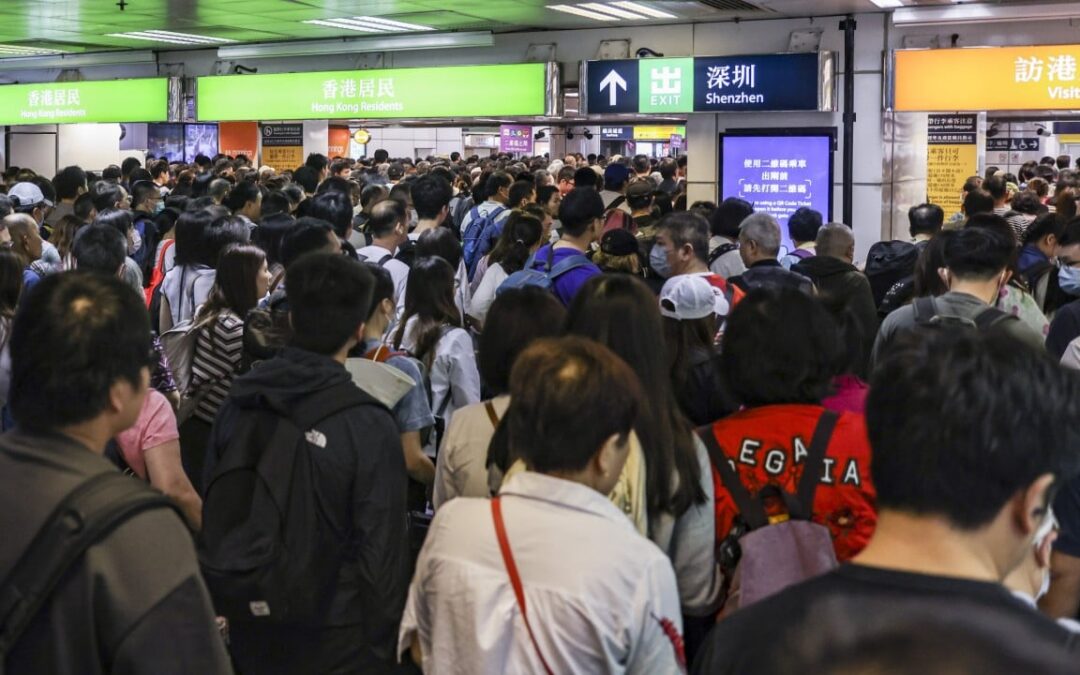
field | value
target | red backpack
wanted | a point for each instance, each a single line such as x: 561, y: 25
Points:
x: 158, y: 274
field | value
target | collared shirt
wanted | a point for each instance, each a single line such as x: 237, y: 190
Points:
x: 398, y: 270
x: 618, y: 612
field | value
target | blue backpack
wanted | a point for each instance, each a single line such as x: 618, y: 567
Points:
x: 477, y: 237
x: 544, y: 278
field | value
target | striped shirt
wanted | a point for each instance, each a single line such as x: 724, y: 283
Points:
x: 217, y: 358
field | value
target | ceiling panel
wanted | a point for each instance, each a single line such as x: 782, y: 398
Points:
x: 85, y: 23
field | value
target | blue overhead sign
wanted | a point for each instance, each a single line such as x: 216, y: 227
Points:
x: 616, y: 133
x: 753, y: 83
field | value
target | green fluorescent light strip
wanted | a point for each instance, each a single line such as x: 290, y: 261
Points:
x: 588, y: 14
x: 16, y: 50
x: 369, y: 24
x: 645, y: 9
x: 613, y: 11
x: 170, y: 37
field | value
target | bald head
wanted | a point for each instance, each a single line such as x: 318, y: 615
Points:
x: 836, y: 240
x: 386, y: 216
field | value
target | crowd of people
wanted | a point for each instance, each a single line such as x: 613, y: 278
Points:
x: 501, y: 415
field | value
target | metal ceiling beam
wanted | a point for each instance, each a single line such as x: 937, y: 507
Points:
x: 388, y: 43
x: 114, y: 58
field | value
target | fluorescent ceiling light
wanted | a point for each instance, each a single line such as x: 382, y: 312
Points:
x: 937, y: 16
x: 374, y: 43
x: 19, y: 50
x: 118, y: 57
x: 170, y: 37
x: 613, y: 11
x: 369, y: 24
x: 571, y: 9
x: 644, y: 9
x: 887, y: 4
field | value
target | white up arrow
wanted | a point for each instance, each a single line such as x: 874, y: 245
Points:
x: 612, y: 82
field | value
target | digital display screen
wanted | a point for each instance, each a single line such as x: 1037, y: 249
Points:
x: 779, y: 173
x: 166, y: 140
x: 200, y: 139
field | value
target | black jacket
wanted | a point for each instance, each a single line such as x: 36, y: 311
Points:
x: 770, y: 274
x: 843, y: 282
x: 362, y: 492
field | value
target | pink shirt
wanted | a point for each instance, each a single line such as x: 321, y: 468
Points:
x: 850, y: 395
x: 156, y: 426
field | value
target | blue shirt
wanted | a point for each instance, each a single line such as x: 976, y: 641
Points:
x: 567, y: 285
x: 29, y: 278
x: 412, y: 412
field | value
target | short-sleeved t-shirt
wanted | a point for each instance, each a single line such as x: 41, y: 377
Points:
x: 768, y: 446
x: 155, y: 426
x: 567, y: 285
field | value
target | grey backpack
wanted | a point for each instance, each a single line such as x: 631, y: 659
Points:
x: 762, y: 556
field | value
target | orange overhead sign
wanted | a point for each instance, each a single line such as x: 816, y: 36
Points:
x: 987, y: 78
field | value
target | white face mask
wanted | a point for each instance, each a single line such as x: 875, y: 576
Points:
x: 1044, y: 531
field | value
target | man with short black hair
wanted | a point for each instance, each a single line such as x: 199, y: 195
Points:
x: 69, y: 183
x: 976, y: 268
x: 336, y: 209
x: 134, y: 601
x: 581, y: 214
x: 1064, y: 162
x: 101, y: 249
x: 482, y: 225
x: 724, y: 222
x: 924, y: 223
x: 616, y: 176
x: 977, y: 201
x: 642, y: 166
x: 126, y: 167
x: 431, y: 195
x: 803, y: 226
x: 964, y: 483
x: 357, y: 474
x: 159, y: 174
x: 145, y: 200
x: 319, y: 164
x: 307, y: 178
x: 668, y: 171
x: 759, y: 244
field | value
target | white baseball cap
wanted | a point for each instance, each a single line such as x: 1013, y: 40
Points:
x: 27, y: 194
x: 690, y: 296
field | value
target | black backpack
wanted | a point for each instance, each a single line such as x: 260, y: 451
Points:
x: 887, y: 263
x: 721, y: 250
x: 926, y: 313
x: 96, y: 507
x: 266, y: 553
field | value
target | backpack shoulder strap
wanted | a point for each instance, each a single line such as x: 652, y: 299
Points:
x: 327, y: 403
x: 492, y: 414
x: 925, y: 309
x: 815, y: 461
x: 720, y: 251
x: 749, y: 508
x: 567, y: 264
x: 992, y: 316
x: 89, y: 512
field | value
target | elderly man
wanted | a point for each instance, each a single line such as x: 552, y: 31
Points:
x: 759, y: 246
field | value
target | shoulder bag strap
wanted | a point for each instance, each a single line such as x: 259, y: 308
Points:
x: 489, y: 406
x: 815, y: 461
x: 990, y: 317
x: 925, y: 309
x: 749, y: 508
x: 89, y: 512
x: 515, y: 579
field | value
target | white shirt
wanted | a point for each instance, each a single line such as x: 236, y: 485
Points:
x: 461, y: 468
x: 598, y: 594
x: 398, y: 270
x: 186, y: 288
x: 455, y: 379
x: 485, y: 292
x: 729, y: 264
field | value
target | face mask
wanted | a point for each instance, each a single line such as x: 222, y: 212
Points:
x: 658, y: 261
x: 414, y: 218
x: 159, y: 207
x: 1041, y: 534
x: 1069, y: 280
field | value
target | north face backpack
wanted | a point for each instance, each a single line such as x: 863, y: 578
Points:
x: 266, y: 553
x: 544, y: 278
x: 762, y: 554
x: 477, y: 236
x: 888, y: 262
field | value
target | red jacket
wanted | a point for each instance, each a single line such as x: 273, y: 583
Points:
x: 761, y: 444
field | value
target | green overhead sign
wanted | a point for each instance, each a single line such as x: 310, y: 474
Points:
x: 79, y: 102
x: 516, y: 90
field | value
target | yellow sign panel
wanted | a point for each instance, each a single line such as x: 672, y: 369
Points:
x: 987, y: 78
x: 947, y: 167
x: 362, y: 136
x: 283, y: 158
x: 658, y: 133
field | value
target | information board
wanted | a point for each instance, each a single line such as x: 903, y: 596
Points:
x: 754, y: 83
x: 200, y: 139
x: 282, y: 146
x: 512, y: 90
x: 516, y: 138
x: 85, y: 102
x: 1041, y: 77
x: 951, y: 156
x: 779, y: 172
